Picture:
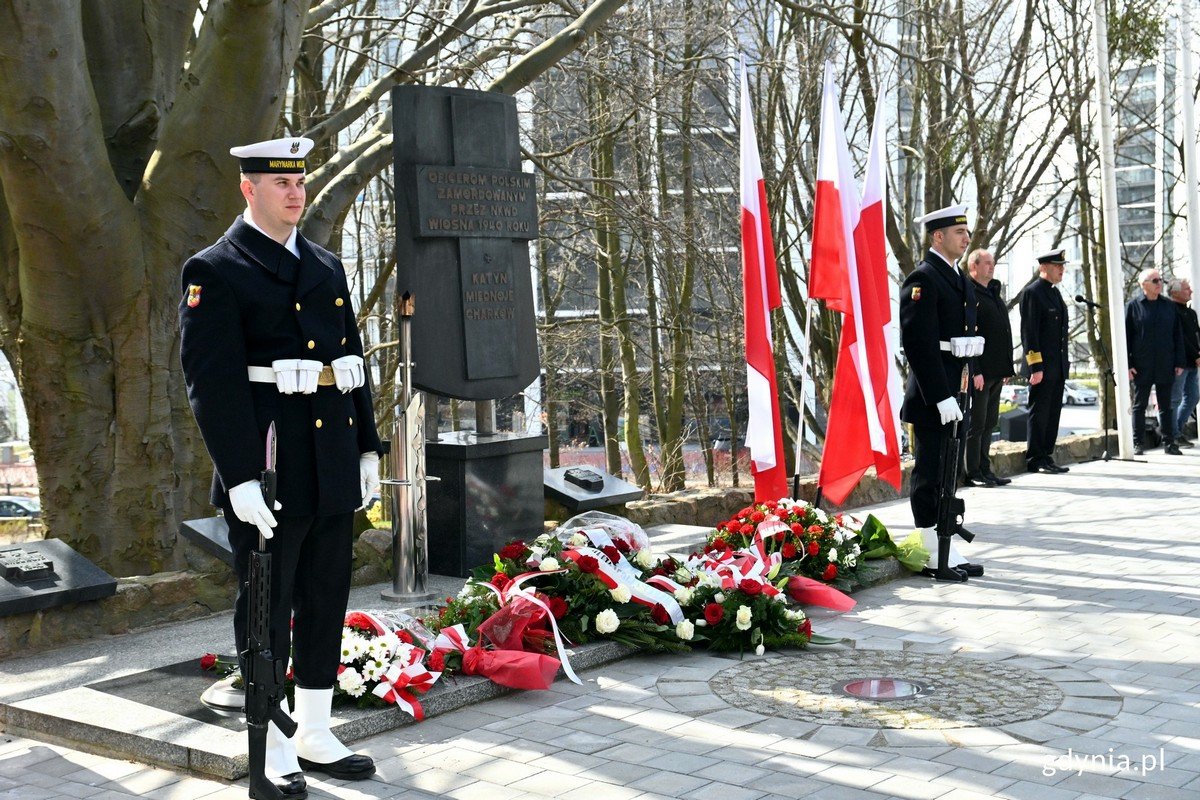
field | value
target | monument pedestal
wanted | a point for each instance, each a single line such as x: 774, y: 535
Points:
x: 488, y: 492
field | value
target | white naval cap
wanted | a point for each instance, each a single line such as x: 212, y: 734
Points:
x: 273, y: 155
x: 1058, y: 256
x: 944, y: 218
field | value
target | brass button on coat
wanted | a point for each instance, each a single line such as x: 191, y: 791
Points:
x: 319, y: 423
x: 351, y: 423
x: 343, y: 340
x: 297, y: 306
x: 311, y: 344
x: 339, y: 302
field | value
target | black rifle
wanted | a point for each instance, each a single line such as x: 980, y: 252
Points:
x: 950, y: 507
x: 263, y: 673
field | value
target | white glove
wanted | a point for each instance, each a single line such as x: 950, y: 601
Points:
x: 949, y: 410
x: 368, y: 475
x: 348, y: 372
x: 296, y: 375
x: 960, y: 346
x: 250, y: 507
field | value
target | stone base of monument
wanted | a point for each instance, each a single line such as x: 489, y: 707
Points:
x: 488, y: 492
x: 156, y: 716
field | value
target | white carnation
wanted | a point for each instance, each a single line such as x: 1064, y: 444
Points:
x: 607, y: 621
x: 645, y: 558
x: 743, y: 618
x: 683, y: 595
x: 548, y: 564
x: 578, y: 539
x: 820, y: 514
x: 833, y: 554
x: 351, y: 683
x: 621, y: 594
x: 685, y: 630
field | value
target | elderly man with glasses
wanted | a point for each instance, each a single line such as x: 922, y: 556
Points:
x: 1156, y: 357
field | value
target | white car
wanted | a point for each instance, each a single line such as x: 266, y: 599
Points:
x: 1015, y: 393
x: 1075, y: 393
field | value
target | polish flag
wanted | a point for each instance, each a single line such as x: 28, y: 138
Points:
x: 849, y: 271
x: 760, y: 286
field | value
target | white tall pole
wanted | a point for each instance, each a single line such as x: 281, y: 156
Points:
x: 1112, y: 234
x: 1187, y: 107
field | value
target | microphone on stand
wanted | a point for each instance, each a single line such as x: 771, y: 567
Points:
x: 1081, y: 299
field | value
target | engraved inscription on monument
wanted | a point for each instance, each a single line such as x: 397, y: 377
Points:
x: 473, y: 201
x: 23, y: 566
x: 489, y: 304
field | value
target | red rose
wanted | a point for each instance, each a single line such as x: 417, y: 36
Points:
x: 747, y: 529
x: 750, y: 587
x: 788, y: 550
x: 659, y: 615
x: 757, y: 516
x: 614, y: 555
x: 404, y: 636
x: 714, y: 613
x: 816, y: 529
x: 558, y: 606
x: 208, y: 661
x: 513, y: 550
x: 720, y: 545
x: 437, y: 660
x: 668, y: 566
x: 745, y: 512
x: 501, y: 581
x: 813, y: 548
x: 587, y: 564
x: 623, y: 545
x: 797, y: 528
x: 805, y: 628
x: 830, y: 572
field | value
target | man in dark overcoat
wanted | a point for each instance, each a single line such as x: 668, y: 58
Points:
x: 937, y: 332
x: 268, y: 335
x: 1047, y: 363
x: 991, y: 370
x: 1154, y: 337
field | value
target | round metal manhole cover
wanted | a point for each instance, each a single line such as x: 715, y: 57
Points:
x: 950, y: 691
x: 883, y: 689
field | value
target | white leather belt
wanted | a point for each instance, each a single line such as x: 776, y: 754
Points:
x: 267, y: 375
x: 944, y: 345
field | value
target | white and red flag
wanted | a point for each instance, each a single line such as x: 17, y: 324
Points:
x: 849, y: 271
x: 760, y: 285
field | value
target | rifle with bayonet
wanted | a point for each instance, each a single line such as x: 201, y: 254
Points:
x: 263, y: 673
x: 950, y: 507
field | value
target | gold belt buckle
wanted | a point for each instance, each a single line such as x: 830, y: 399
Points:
x: 326, y: 376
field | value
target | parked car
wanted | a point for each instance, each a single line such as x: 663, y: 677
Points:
x: 1075, y: 393
x: 16, y: 506
x: 1015, y: 393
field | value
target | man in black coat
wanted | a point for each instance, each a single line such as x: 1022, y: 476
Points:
x: 937, y: 331
x: 991, y: 370
x: 1185, y: 391
x: 268, y: 335
x: 1044, y: 339
x: 1155, y: 341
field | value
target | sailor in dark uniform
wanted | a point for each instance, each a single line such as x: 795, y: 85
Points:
x: 937, y: 331
x: 1044, y: 340
x: 268, y: 335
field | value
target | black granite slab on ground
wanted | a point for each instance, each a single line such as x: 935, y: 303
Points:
x: 175, y: 688
x: 49, y: 573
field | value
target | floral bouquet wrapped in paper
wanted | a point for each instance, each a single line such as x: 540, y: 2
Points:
x: 382, y: 662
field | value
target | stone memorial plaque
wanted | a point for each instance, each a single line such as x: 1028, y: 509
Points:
x: 470, y: 201
x: 489, y: 308
x: 48, y: 573
x: 574, y: 497
x: 210, y: 534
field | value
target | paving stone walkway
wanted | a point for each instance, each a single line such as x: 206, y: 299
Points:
x: 1070, y: 672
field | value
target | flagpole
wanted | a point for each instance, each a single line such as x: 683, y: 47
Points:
x: 805, y: 368
x: 1112, y: 234
x: 1187, y: 112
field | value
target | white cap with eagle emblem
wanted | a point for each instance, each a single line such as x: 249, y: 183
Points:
x: 273, y: 155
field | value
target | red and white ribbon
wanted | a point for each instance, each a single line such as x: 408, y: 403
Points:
x: 639, y: 592
x: 515, y: 589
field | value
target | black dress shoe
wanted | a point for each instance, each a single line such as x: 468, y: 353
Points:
x: 997, y: 480
x: 1048, y: 469
x: 354, y: 767
x: 972, y: 570
x: 1172, y: 449
x: 1138, y: 450
x: 290, y: 786
x: 1057, y: 468
x: 978, y: 480
x: 1183, y: 441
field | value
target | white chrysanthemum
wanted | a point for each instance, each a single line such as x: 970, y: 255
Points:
x: 548, y: 564
x: 621, y: 594
x: 607, y: 621
x: 578, y: 539
x: 353, y: 646
x: 743, y: 618
x: 351, y: 683
x: 645, y: 558
x: 379, y: 649
x: 373, y: 670
x: 683, y: 596
x: 685, y: 630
